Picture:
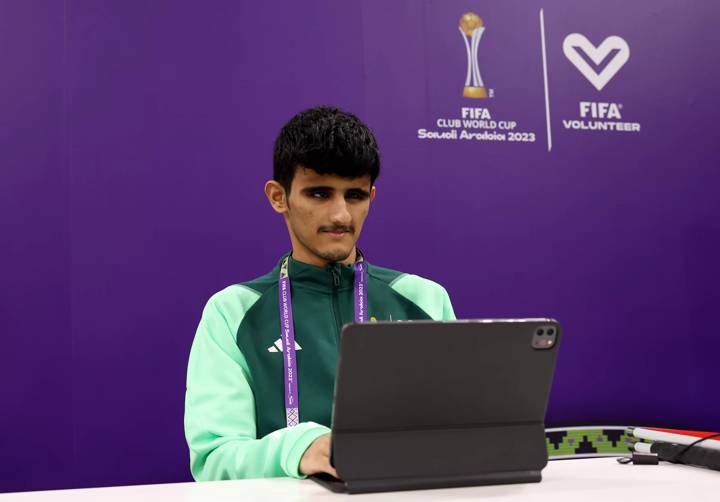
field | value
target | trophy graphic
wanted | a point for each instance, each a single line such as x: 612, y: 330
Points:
x: 472, y: 26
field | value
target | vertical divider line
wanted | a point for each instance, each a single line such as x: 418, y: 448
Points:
x: 545, y: 79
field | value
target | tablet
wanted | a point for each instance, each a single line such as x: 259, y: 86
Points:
x: 425, y: 404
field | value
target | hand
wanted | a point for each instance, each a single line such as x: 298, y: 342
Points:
x: 317, y: 457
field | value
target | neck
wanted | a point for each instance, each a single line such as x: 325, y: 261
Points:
x: 305, y: 256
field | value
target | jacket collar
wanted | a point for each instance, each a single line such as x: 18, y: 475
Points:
x: 335, y: 276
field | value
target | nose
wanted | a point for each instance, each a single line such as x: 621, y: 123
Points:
x: 339, y: 214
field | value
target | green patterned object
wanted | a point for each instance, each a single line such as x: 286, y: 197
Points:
x: 579, y: 442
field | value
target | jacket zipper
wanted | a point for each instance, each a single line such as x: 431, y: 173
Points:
x: 335, y: 305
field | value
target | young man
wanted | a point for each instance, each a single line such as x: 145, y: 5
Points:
x: 258, y: 405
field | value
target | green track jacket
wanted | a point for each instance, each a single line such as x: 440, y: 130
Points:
x: 234, y: 405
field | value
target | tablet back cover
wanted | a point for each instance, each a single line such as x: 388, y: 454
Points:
x: 443, y: 403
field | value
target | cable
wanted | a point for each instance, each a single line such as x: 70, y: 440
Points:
x: 676, y: 459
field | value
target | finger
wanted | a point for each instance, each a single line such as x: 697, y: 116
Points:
x: 328, y: 467
x: 332, y: 472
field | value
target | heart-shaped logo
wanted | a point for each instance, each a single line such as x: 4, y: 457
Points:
x: 597, y: 55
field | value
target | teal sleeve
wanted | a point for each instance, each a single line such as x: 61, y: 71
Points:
x: 426, y: 294
x: 220, y: 409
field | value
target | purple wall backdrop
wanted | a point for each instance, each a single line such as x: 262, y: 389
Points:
x: 135, y: 137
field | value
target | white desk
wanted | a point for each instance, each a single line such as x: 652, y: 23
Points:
x: 587, y: 480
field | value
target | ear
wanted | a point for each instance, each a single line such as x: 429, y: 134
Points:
x: 372, y: 193
x: 275, y: 193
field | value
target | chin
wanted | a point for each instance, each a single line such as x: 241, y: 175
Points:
x: 335, y: 255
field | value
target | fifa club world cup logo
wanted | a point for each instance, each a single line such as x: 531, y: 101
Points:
x: 472, y: 26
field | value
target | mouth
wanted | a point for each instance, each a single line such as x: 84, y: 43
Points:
x: 337, y: 233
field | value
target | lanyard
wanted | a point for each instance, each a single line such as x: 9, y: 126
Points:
x: 287, y: 332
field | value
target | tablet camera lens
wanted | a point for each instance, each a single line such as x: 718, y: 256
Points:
x: 540, y: 332
x: 551, y: 332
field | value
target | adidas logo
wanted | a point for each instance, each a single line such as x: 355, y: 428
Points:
x: 277, y: 346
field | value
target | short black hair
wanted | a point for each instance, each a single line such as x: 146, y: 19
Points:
x: 328, y: 141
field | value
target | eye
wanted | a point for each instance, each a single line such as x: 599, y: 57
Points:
x: 319, y: 194
x: 355, y: 195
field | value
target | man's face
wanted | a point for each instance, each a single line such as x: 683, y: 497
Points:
x: 325, y: 213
